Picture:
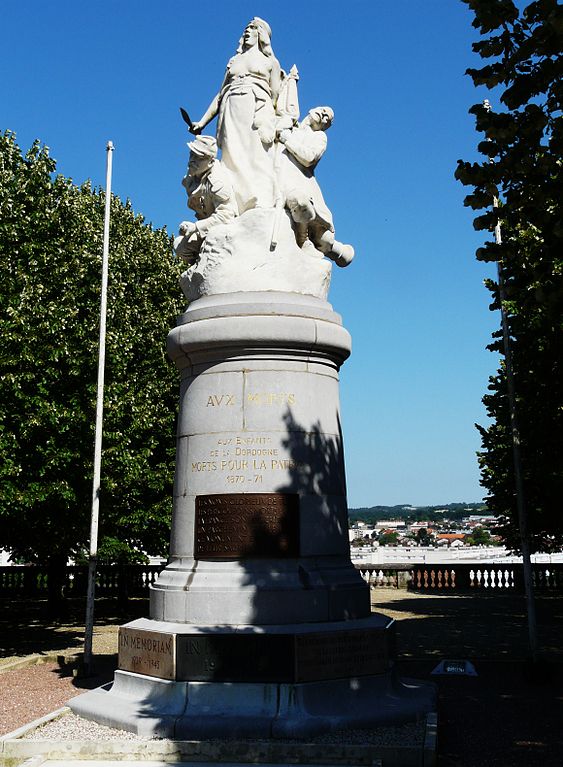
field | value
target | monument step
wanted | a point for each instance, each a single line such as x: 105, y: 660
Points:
x: 125, y: 763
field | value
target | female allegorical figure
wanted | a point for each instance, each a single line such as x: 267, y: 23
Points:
x: 245, y: 106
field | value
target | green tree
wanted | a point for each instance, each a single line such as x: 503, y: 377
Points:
x: 50, y: 251
x: 423, y: 537
x: 357, y: 542
x: 479, y: 537
x: 522, y: 167
x: 388, y: 539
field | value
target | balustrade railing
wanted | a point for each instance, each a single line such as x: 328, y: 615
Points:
x: 462, y: 577
x: 124, y: 581
x: 120, y: 581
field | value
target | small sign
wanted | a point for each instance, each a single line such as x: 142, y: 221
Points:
x: 455, y: 668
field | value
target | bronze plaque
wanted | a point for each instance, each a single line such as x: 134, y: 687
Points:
x: 147, y: 652
x: 340, y: 654
x: 246, y: 525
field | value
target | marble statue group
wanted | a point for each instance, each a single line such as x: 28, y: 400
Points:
x: 261, y: 159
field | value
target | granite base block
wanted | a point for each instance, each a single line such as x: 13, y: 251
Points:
x: 135, y: 703
x: 287, y: 653
x: 187, y: 710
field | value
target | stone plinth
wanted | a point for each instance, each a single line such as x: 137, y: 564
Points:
x: 260, y: 625
x: 288, y: 653
x: 260, y: 531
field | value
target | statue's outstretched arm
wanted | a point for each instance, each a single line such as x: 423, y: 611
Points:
x: 210, y: 112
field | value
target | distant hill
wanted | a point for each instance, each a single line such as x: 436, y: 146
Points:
x: 406, y: 511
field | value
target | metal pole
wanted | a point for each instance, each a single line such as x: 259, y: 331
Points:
x: 93, y: 559
x: 516, y: 454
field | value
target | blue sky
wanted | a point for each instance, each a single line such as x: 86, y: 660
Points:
x: 78, y: 74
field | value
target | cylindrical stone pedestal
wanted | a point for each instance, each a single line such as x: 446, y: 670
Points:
x: 260, y: 530
x: 260, y: 625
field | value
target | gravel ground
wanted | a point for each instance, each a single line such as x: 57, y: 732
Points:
x: 34, y: 691
x: 29, y: 693
x: 72, y: 727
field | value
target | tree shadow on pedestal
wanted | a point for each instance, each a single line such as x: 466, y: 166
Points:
x: 315, y: 477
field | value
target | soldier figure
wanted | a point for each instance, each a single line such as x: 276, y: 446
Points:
x: 312, y: 220
x: 210, y: 196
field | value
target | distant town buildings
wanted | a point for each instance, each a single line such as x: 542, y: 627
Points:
x: 469, y: 530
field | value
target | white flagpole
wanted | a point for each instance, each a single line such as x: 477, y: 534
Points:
x: 93, y: 559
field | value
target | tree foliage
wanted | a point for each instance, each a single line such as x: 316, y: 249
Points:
x: 451, y: 511
x: 424, y: 537
x: 387, y: 538
x: 50, y: 249
x: 522, y: 167
x: 479, y: 537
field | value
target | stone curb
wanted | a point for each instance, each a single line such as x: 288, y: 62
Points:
x: 24, y: 729
x: 14, y: 750
x: 29, y: 660
x: 37, y: 660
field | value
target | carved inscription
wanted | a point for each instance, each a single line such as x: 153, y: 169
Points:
x: 252, y: 398
x: 216, y: 400
x: 245, y: 525
x: 270, y: 398
x: 147, y: 652
x: 232, y: 657
x: 244, y: 459
x: 339, y: 655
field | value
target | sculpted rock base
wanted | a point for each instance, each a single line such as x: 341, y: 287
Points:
x: 237, y: 258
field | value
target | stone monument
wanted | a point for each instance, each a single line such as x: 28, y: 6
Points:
x: 260, y: 625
